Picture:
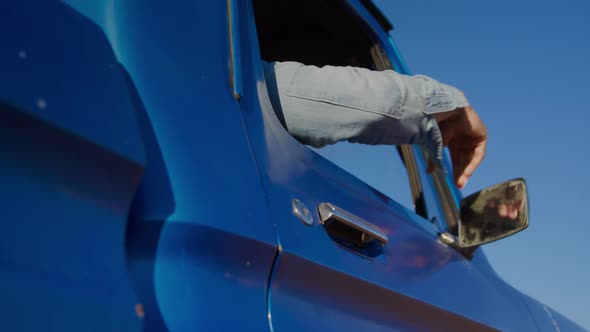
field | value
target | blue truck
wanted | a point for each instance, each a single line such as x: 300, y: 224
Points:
x: 147, y: 184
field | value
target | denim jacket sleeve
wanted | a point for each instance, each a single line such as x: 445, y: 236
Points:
x: 321, y: 106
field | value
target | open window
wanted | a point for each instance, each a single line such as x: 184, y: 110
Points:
x: 313, y: 32
x: 329, y: 32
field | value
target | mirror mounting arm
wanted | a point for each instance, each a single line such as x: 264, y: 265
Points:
x: 451, y: 240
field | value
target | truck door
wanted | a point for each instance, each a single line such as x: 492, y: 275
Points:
x: 351, y: 258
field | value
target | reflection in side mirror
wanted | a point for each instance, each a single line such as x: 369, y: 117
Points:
x: 493, y: 213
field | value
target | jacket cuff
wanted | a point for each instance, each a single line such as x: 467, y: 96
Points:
x: 446, y: 99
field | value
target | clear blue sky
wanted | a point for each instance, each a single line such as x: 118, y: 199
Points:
x: 525, y: 66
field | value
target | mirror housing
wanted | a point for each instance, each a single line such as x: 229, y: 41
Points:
x: 493, y: 213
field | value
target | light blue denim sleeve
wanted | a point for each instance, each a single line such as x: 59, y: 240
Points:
x: 321, y: 106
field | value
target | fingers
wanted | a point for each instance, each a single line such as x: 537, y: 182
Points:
x: 466, y: 136
x: 512, y: 213
x: 472, y: 163
x: 503, y: 210
x: 459, y: 159
x: 508, y: 211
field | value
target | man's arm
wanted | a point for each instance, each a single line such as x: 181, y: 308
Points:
x: 321, y: 106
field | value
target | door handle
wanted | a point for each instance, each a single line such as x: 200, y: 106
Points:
x: 345, y: 226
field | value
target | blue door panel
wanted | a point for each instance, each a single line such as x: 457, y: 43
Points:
x: 317, y: 298
x: 413, y: 267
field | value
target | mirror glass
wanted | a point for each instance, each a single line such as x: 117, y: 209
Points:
x: 493, y: 213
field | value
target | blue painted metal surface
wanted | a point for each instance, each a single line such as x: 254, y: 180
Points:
x: 211, y: 245
x: 94, y: 222
x: 71, y: 161
x: 139, y: 195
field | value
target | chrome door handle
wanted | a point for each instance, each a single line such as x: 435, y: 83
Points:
x: 367, y: 232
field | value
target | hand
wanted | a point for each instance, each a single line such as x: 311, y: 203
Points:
x: 510, y: 203
x: 506, y: 209
x: 466, y: 137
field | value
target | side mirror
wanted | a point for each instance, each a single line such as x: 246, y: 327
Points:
x: 493, y: 213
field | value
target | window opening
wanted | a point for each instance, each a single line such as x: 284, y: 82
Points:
x: 327, y: 32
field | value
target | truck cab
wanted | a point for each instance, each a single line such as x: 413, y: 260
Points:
x: 149, y: 185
